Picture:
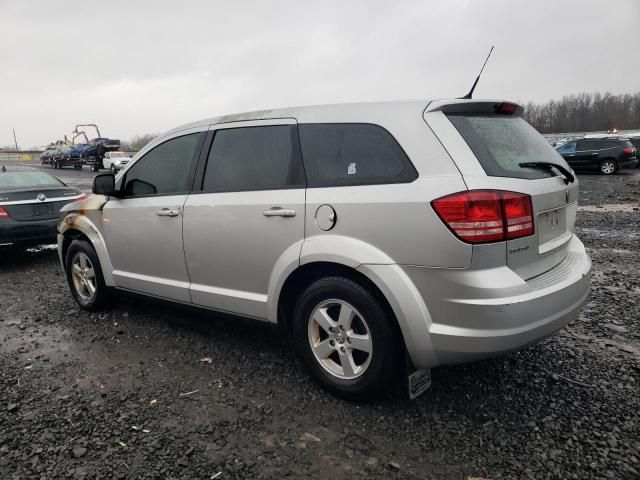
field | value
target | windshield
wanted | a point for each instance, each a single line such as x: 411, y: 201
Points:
x: 501, y: 143
x: 28, y: 179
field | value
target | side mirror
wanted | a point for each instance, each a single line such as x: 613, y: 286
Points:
x: 104, y: 184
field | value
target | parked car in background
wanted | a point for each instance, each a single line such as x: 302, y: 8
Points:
x: 635, y: 141
x: 97, y: 148
x: 79, y: 151
x: 30, y: 203
x: 606, y: 154
x: 377, y: 235
x: 61, y: 155
x: 114, y: 161
x: 47, y: 155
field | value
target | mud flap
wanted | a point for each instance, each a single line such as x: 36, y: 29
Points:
x: 416, y: 381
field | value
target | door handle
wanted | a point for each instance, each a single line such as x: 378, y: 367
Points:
x: 595, y: 154
x: 279, y: 212
x: 167, y: 212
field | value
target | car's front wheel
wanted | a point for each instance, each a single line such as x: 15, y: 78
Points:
x: 84, y: 276
x: 608, y: 167
x: 112, y: 168
x: 346, y: 338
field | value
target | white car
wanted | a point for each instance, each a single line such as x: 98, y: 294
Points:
x: 114, y: 161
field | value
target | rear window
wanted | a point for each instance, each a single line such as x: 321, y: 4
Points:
x: 501, y: 143
x: 341, y: 154
x: 567, y: 148
x: 28, y: 179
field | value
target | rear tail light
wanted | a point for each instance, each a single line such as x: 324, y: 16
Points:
x: 84, y: 196
x: 506, y: 108
x: 3, y: 214
x: 629, y: 152
x: 484, y: 216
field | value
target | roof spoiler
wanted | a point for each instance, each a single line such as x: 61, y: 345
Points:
x: 475, y: 107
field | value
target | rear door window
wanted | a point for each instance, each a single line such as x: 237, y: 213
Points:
x: 342, y: 154
x: 254, y: 158
x: 501, y: 143
x: 585, y: 146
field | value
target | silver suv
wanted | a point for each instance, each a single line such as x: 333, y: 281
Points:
x: 382, y: 237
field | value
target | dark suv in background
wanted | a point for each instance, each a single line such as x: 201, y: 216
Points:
x: 635, y: 140
x: 607, y: 154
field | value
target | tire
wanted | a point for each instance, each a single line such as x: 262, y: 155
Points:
x: 112, y: 169
x: 82, y: 254
x: 344, y: 369
x: 608, y: 167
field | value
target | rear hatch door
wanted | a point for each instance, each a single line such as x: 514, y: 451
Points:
x: 488, y: 141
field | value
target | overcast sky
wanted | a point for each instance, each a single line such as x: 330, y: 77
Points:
x: 137, y: 67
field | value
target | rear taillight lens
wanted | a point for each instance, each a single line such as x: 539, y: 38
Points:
x: 629, y: 152
x: 3, y: 214
x: 84, y: 196
x: 484, y: 216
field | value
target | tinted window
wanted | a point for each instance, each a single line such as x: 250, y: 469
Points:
x: 166, y: 169
x: 585, y: 145
x: 254, y: 158
x: 338, y: 154
x: 501, y: 143
x: 568, y: 148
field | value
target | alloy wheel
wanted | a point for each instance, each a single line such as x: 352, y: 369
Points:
x: 608, y: 167
x: 340, y: 339
x: 84, y: 276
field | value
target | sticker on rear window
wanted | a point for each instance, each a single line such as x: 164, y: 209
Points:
x: 351, y: 170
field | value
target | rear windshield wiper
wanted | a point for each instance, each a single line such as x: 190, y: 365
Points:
x: 568, y: 176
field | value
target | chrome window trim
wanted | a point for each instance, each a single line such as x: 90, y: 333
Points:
x: 38, y: 202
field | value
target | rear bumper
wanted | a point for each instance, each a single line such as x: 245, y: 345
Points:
x: 14, y: 233
x: 630, y: 163
x: 450, y: 316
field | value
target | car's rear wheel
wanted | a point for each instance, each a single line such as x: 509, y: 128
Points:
x: 346, y: 338
x: 608, y: 167
x: 84, y: 276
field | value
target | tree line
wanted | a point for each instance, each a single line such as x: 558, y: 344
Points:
x: 585, y: 112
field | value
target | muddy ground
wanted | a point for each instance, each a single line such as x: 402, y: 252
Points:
x: 147, y: 390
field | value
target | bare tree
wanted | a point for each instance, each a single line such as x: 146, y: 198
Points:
x: 586, y: 112
x: 138, y: 141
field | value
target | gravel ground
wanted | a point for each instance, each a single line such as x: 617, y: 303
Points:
x: 148, y: 390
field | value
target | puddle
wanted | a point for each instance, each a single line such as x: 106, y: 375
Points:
x: 42, y: 248
x: 610, y: 208
x: 609, y: 233
x: 51, y: 343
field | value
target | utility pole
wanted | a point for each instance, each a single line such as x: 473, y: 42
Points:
x: 15, y: 140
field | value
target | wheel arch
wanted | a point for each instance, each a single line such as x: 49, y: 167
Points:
x: 78, y: 226
x: 303, y: 276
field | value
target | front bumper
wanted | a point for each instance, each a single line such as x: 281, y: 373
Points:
x: 36, y: 232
